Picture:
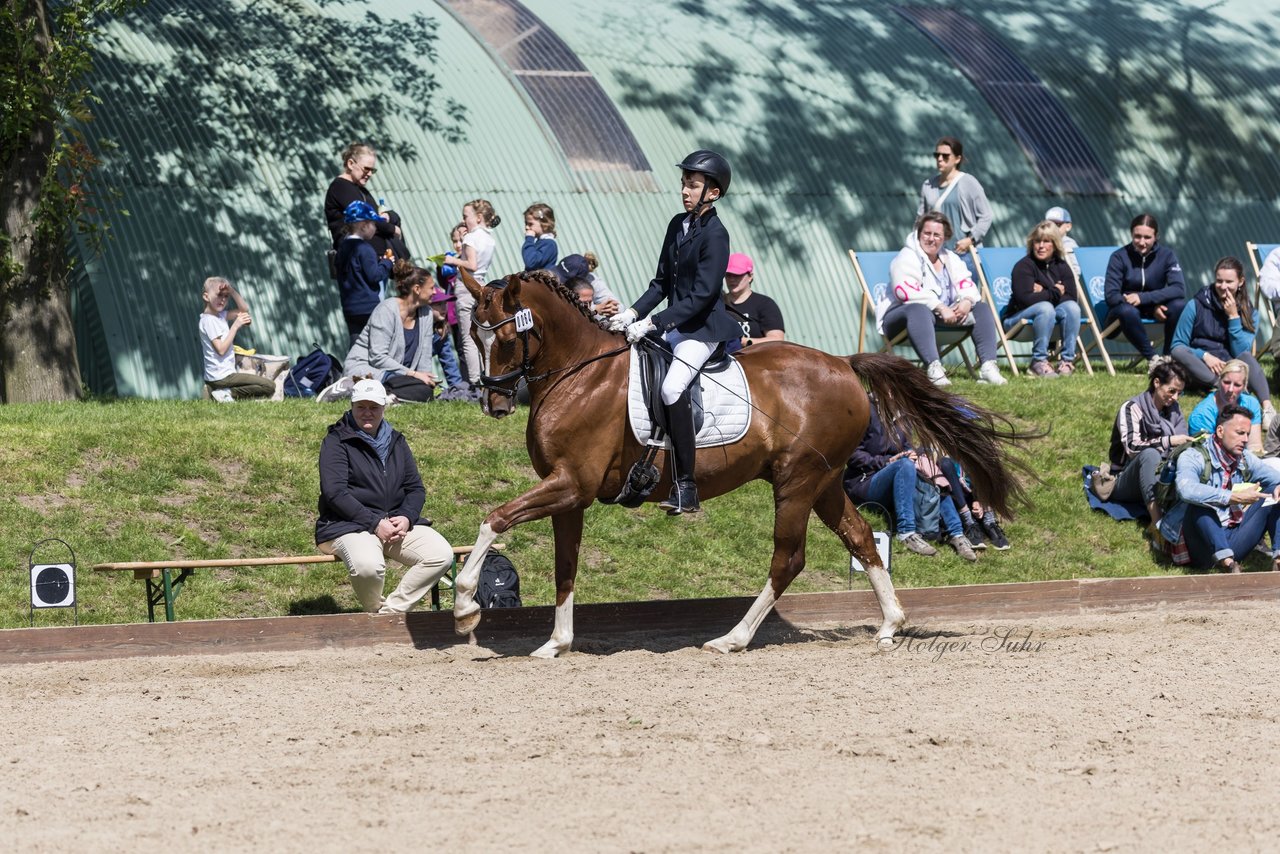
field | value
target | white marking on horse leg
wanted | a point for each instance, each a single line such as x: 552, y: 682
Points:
x: 562, y: 634
x: 742, y: 633
x: 894, y: 617
x: 466, y: 610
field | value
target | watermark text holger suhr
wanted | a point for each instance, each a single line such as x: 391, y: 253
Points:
x: 991, y: 641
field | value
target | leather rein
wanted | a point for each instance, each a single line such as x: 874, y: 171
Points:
x: 523, y: 320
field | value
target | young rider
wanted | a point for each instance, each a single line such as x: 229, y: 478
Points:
x: 691, y: 265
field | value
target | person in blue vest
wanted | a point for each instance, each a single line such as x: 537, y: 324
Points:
x: 1218, y: 325
x: 691, y: 265
x: 1144, y: 281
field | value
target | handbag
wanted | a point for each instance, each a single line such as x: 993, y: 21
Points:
x: 1103, y: 482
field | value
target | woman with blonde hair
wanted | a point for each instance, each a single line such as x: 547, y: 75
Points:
x: 1044, y: 295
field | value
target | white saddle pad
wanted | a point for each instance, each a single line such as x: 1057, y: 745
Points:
x: 726, y: 403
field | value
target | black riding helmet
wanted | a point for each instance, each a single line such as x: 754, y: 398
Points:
x: 710, y: 164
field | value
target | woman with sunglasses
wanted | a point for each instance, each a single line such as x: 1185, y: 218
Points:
x: 959, y: 196
x: 359, y: 164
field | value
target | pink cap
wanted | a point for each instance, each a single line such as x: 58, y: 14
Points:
x: 739, y: 263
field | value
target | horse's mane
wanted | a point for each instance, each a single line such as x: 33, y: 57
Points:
x: 554, y: 284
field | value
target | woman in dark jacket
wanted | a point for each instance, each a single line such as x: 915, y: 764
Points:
x: 883, y: 471
x: 691, y: 266
x: 370, y: 504
x: 359, y: 163
x: 1044, y: 295
x: 1144, y: 280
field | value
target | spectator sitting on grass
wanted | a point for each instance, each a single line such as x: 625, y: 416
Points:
x: 883, y: 471
x: 396, y: 345
x: 1221, y: 514
x: 218, y: 328
x: 371, y: 498
x: 1232, y: 383
x: 1147, y: 429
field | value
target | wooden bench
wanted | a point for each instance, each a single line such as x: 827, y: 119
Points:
x: 163, y: 587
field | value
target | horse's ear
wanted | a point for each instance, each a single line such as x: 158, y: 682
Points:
x: 472, y: 285
x: 511, y: 293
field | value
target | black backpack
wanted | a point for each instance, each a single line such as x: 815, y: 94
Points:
x: 499, y: 583
x: 311, y: 374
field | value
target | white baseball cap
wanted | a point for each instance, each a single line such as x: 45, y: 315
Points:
x: 370, y: 390
x: 1058, y: 215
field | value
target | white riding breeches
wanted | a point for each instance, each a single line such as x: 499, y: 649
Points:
x: 690, y: 356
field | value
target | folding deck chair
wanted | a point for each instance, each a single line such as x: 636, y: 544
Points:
x: 1258, y: 253
x: 872, y: 269
x: 995, y: 269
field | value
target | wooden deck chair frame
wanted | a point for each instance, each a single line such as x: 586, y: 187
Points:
x: 1021, y: 331
x: 1257, y: 259
x: 954, y: 342
x: 1101, y: 334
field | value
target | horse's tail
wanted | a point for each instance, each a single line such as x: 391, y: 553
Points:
x: 977, y: 438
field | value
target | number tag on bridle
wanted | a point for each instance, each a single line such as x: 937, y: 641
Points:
x: 524, y: 320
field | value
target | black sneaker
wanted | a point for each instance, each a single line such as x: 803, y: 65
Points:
x: 973, y: 533
x: 996, y: 535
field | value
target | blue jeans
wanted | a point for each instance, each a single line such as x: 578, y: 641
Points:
x: 894, y: 488
x: 1043, y: 316
x: 442, y: 348
x: 1130, y: 317
x: 1209, y: 542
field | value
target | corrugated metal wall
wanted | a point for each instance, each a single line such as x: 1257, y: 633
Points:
x: 828, y: 111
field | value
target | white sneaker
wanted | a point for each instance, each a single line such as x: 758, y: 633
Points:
x: 990, y: 374
x: 222, y: 395
x: 341, y: 390
x: 938, y: 374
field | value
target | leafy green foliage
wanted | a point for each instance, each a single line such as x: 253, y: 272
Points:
x: 45, y: 53
x: 137, y: 480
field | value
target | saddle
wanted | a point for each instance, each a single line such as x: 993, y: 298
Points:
x: 721, y: 412
x: 654, y: 361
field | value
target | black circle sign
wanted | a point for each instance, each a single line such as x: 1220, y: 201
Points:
x: 52, y: 585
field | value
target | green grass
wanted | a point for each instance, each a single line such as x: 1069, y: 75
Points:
x: 147, y: 480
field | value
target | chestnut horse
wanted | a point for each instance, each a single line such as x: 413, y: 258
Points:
x: 811, y: 413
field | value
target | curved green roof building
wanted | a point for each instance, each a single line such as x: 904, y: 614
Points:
x: 227, y: 119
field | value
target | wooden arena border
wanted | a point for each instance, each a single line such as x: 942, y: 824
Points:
x: 710, y: 617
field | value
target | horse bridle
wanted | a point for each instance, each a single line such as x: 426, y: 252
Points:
x: 523, y: 319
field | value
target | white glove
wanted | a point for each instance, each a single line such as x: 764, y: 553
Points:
x: 639, y: 329
x: 620, y: 321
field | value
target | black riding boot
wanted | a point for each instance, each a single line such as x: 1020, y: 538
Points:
x: 684, y: 491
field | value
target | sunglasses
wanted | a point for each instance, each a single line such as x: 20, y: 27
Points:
x: 368, y: 170
x: 940, y: 155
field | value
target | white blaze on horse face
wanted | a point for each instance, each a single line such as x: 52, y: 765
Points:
x: 487, y: 338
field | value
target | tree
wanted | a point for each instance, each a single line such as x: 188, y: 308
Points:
x: 45, y: 51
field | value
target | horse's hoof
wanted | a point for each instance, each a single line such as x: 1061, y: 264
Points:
x: 885, y: 644
x: 550, y: 649
x: 467, y: 623
x: 721, y: 645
